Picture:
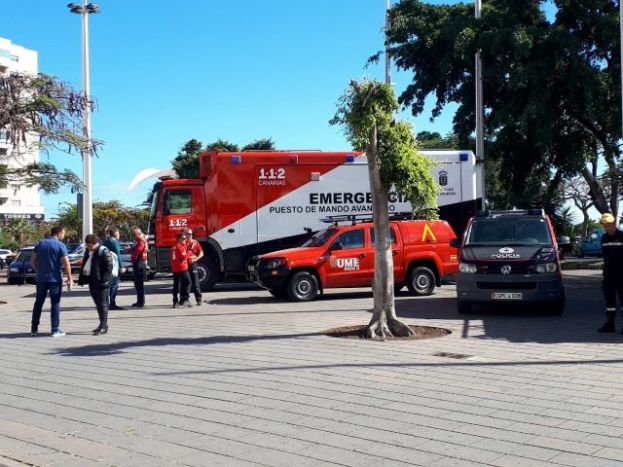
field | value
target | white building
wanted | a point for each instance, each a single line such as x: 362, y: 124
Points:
x: 18, y: 201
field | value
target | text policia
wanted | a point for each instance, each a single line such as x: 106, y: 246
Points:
x: 338, y: 202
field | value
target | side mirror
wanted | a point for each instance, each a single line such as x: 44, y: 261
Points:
x: 455, y: 243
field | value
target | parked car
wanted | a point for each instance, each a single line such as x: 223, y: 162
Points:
x: 20, y: 270
x: 510, y: 257
x: 343, y: 256
x: 75, y: 253
x: 4, y: 254
x: 591, y: 245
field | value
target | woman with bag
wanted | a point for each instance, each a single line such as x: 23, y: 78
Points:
x: 97, y: 269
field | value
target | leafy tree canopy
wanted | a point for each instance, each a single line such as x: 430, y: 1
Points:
x: 551, y: 88
x: 40, y: 113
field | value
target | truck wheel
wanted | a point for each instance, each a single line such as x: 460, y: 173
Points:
x: 302, y: 287
x: 207, y: 272
x: 464, y: 308
x: 421, y: 281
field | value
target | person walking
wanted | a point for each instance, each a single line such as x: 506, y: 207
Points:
x: 46, y: 260
x: 612, y: 251
x: 196, y: 253
x: 181, y: 278
x: 139, y: 266
x: 112, y: 243
x: 97, y: 266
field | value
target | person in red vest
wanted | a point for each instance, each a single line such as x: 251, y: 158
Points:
x: 181, y: 277
x: 139, y: 266
x: 196, y: 253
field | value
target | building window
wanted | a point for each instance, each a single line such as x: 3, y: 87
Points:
x: 3, y: 151
x: 4, y: 135
x: 14, y: 58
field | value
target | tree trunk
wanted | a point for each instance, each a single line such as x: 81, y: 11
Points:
x: 597, y: 194
x: 384, y: 322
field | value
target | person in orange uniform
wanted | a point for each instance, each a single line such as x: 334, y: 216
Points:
x: 196, y: 253
x: 179, y: 267
x: 139, y: 266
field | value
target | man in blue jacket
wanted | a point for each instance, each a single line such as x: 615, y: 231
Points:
x: 46, y: 260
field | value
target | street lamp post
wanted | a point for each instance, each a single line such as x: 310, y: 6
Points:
x: 480, y: 145
x: 388, y: 79
x: 87, y: 202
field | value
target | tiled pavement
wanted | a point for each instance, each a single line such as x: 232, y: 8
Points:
x: 248, y: 380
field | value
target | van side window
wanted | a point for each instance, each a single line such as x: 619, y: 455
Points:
x: 392, y: 234
x: 351, y: 239
x: 178, y: 202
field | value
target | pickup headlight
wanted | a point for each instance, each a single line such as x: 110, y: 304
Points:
x: 275, y: 263
x: 468, y: 268
x: 13, y: 270
x: 546, y: 267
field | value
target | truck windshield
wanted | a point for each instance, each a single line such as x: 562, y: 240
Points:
x: 320, y: 238
x: 508, y: 231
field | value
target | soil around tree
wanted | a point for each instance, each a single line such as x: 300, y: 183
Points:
x: 361, y: 332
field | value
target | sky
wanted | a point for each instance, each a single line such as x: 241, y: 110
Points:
x: 164, y: 72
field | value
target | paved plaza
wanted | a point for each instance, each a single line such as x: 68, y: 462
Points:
x: 246, y: 380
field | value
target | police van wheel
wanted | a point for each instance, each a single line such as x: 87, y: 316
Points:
x: 206, y: 269
x: 302, y: 287
x: 421, y: 281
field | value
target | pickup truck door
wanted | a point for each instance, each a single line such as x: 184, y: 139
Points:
x: 351, y: 260
x: 397, y: 252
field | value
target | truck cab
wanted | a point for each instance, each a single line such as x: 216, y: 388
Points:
x: 342, y: 256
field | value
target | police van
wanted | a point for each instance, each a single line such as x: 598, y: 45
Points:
x: 510, y: 257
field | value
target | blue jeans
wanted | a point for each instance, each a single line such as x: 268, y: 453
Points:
x: 55, y: 289
x: 112, y: 294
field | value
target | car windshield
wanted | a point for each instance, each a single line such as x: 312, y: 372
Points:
x: 509, y: 232
x: 74, y: 248
x: 24, y: 255
x: 320, y: 238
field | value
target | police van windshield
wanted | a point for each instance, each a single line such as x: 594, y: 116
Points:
x: 320, y: 238
x: 509, y: 232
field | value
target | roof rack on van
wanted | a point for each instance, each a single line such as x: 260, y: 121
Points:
x: 519, y: 212
x: 360, y: 218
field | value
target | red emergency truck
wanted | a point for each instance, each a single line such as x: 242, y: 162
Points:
x: 250, y: 203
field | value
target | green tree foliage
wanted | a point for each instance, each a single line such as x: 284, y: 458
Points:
x: 106, y: 215
x: 366, y: 112
x: 49, y: 109
x: 434, y: 140
x: 551, y: 88
x: 186, y: 163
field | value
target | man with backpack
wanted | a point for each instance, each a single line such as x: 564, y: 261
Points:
x: 97, y: 271
x: 112, y: 243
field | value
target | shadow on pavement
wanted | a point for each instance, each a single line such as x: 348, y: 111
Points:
x: 583, y: 315
x: 118, y: 347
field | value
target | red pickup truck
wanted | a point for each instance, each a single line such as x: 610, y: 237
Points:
x: 343, y: 256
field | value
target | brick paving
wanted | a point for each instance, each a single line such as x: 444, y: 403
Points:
x: 249, y: 380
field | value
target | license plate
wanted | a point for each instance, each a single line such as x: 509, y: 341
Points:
x: 506, y: 296
x: 251, y: 268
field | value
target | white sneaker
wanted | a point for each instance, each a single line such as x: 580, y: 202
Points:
x: 58, y: 333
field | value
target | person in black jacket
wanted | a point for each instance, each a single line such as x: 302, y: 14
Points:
x: 96, y: 271
x: 612, y: 251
